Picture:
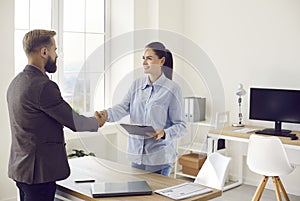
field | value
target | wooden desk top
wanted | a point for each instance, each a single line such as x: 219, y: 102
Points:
x: 102, y: 170
x: 227, y: 131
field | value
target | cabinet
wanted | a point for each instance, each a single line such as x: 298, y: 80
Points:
x: 195, y: 141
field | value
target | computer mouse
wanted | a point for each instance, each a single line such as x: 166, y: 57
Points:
x: 294, y: 137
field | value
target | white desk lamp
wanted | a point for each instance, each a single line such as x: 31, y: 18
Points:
x: 240, y: 92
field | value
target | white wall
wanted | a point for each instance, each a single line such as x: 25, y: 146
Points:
x: 253, y: 42
x: 7, y: 187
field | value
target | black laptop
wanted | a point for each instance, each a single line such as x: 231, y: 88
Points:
x: 128, y: 188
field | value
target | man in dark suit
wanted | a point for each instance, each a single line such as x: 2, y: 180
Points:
x: 38, y: 114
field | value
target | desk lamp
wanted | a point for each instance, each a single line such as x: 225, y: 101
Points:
x: 240, y: 92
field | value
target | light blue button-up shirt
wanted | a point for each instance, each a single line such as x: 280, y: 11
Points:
x: 160, y: 105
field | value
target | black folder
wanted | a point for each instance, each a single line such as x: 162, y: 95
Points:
x: 135, y: 129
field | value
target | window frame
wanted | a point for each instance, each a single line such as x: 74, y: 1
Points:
x: 57, y: 9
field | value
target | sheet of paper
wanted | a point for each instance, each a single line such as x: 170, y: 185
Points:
x: 183, y: 191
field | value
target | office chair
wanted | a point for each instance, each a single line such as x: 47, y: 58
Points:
x: 214, y: 171
x: 267, y: 156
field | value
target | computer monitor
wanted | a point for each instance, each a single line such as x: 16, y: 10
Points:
x: 278, y: 105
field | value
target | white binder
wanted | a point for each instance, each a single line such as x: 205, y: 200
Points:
x: 194, y: 109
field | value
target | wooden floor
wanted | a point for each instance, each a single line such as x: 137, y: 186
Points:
x: 246, y: 192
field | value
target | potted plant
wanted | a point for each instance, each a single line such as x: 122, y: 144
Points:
x: 79, y: 153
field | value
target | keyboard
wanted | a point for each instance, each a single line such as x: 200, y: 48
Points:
x: 290, y: 135
x: 244, y: 130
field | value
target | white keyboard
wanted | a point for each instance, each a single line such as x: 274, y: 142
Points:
x: 244, y: 130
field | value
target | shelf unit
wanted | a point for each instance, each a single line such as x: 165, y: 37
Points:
x: 210, y: 145
x: 193, y: 144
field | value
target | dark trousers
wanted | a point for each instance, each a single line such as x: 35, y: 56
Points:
x: 37, y: 192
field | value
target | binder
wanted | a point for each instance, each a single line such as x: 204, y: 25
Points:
x: 194, y: 109
x: 186, y: 109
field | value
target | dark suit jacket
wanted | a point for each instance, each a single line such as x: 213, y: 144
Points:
x: 37, y: 115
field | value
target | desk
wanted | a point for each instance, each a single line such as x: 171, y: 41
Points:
x: 104, y: 170
x: 226, y: 133
x: 292, y: 146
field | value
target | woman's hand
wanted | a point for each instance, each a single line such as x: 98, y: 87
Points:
x: 159, y: 134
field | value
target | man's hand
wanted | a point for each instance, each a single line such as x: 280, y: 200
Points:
x: 101, y: 117
x: 104, y: 114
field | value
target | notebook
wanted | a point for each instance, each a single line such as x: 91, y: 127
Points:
x: 110, y: 189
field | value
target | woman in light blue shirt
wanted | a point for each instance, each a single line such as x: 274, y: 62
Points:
x: 153, y: 100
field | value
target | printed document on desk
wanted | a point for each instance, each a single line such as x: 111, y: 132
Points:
x: 183, y: 191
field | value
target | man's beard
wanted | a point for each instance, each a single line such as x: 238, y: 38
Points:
x: 50, y: 66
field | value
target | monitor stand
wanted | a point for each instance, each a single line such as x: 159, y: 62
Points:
x: 285, y: 133
x: 276, y: 132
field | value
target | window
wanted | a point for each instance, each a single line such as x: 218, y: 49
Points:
x: 80, y: 27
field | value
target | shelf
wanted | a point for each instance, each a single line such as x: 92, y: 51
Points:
x: 194, y: 143
x: 195, y: 147
x: 185, y: 175
x: 201, y: 123
x: 107, y: 129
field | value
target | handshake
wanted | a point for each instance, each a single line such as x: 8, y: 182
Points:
x: 101, y: 117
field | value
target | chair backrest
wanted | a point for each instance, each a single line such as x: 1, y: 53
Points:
x: 214, y: 171
x: 267, y: 156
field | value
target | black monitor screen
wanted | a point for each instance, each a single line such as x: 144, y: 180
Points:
x: 279, y: 105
